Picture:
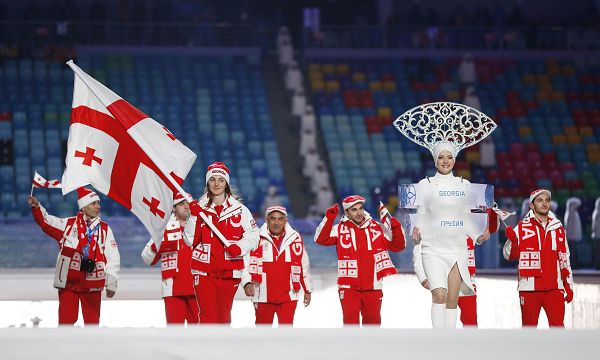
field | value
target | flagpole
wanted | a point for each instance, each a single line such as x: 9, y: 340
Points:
x: 31, y: 194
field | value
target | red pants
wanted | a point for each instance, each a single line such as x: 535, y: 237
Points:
x: 68, y: 306
x: 356, y: 303
x: 552, y: 301
x: 181, y: 308
x: 468, y: 310
x: 215, y: 298
x: 265, y: 312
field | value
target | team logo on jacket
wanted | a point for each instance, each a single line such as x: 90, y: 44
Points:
x: 297, y: 248
x: 528, y: 232
x: 375, y: 234
x: 236, y: 220
x: 346, y: 237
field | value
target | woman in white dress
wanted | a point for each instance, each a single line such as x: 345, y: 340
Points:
x: 445, y: 128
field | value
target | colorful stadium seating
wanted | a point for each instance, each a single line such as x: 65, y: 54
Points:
x: 216, y: 106
x: 548, y: 134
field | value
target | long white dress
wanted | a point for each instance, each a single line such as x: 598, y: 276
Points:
x: 441, y: 251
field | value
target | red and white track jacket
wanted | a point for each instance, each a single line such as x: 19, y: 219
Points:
x: 543, y: 254
x: 278, y: 273
x: 175, y: 260
x: 236, y: 223
x: 71, y: 240
x: 363, y: 258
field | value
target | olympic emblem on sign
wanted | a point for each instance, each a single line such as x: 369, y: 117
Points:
x: 407, y: 195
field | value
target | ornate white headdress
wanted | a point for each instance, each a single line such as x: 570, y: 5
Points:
x: 444, y: 126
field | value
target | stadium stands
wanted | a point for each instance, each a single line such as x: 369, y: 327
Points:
x: 548, y: 134
x: 216, y: 105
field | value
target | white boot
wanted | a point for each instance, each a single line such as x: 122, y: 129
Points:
x: 438, y: 315
x: 450, y: 318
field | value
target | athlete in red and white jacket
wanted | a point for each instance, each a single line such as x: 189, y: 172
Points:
x: 88, y: 260
x: 277, y: 270
x: 175, y: 262
x: 540, y: 245
x: 218, y: 269
x: 362, y: 246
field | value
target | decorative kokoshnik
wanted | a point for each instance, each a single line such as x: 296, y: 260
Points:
x: 446, y: 206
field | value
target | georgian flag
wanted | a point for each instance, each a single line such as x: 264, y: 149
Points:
x: 386, y: 220
x: 39, y: 182
x: 502, y: 214
x: 123, y: 153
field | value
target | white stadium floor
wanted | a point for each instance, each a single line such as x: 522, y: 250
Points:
x: 27, y: 294
x: 133, y: 326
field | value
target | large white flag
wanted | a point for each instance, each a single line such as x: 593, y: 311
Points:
x: 123, y: 153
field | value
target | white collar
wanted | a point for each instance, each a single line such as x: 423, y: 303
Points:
x: 440, y: 175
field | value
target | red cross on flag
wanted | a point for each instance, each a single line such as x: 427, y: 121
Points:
x: 123, y: 153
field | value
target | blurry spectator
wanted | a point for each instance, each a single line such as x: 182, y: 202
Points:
x: 596, y: 234
x: 323, y: 200
x: 573, y: 231
x: 308, y: 141
x: 573, y: 226
x: 283, y: 36
x: 319, y: 179
x: 596, y: 221
x: 298, y: 103
x: 487, y: 151
x: 286, y: 53
x: 466, y: 70
x: 471, y: 99
x: 271, y: 199
x: 311, y: 160
x: 308, y: 121
x: 293, y: 77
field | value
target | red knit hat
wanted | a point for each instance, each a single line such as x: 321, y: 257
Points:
x: 179, y: 198
x: 217, y: 169
x: 537, y: 192
x: 352, y: 200
x: 86, y: 197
